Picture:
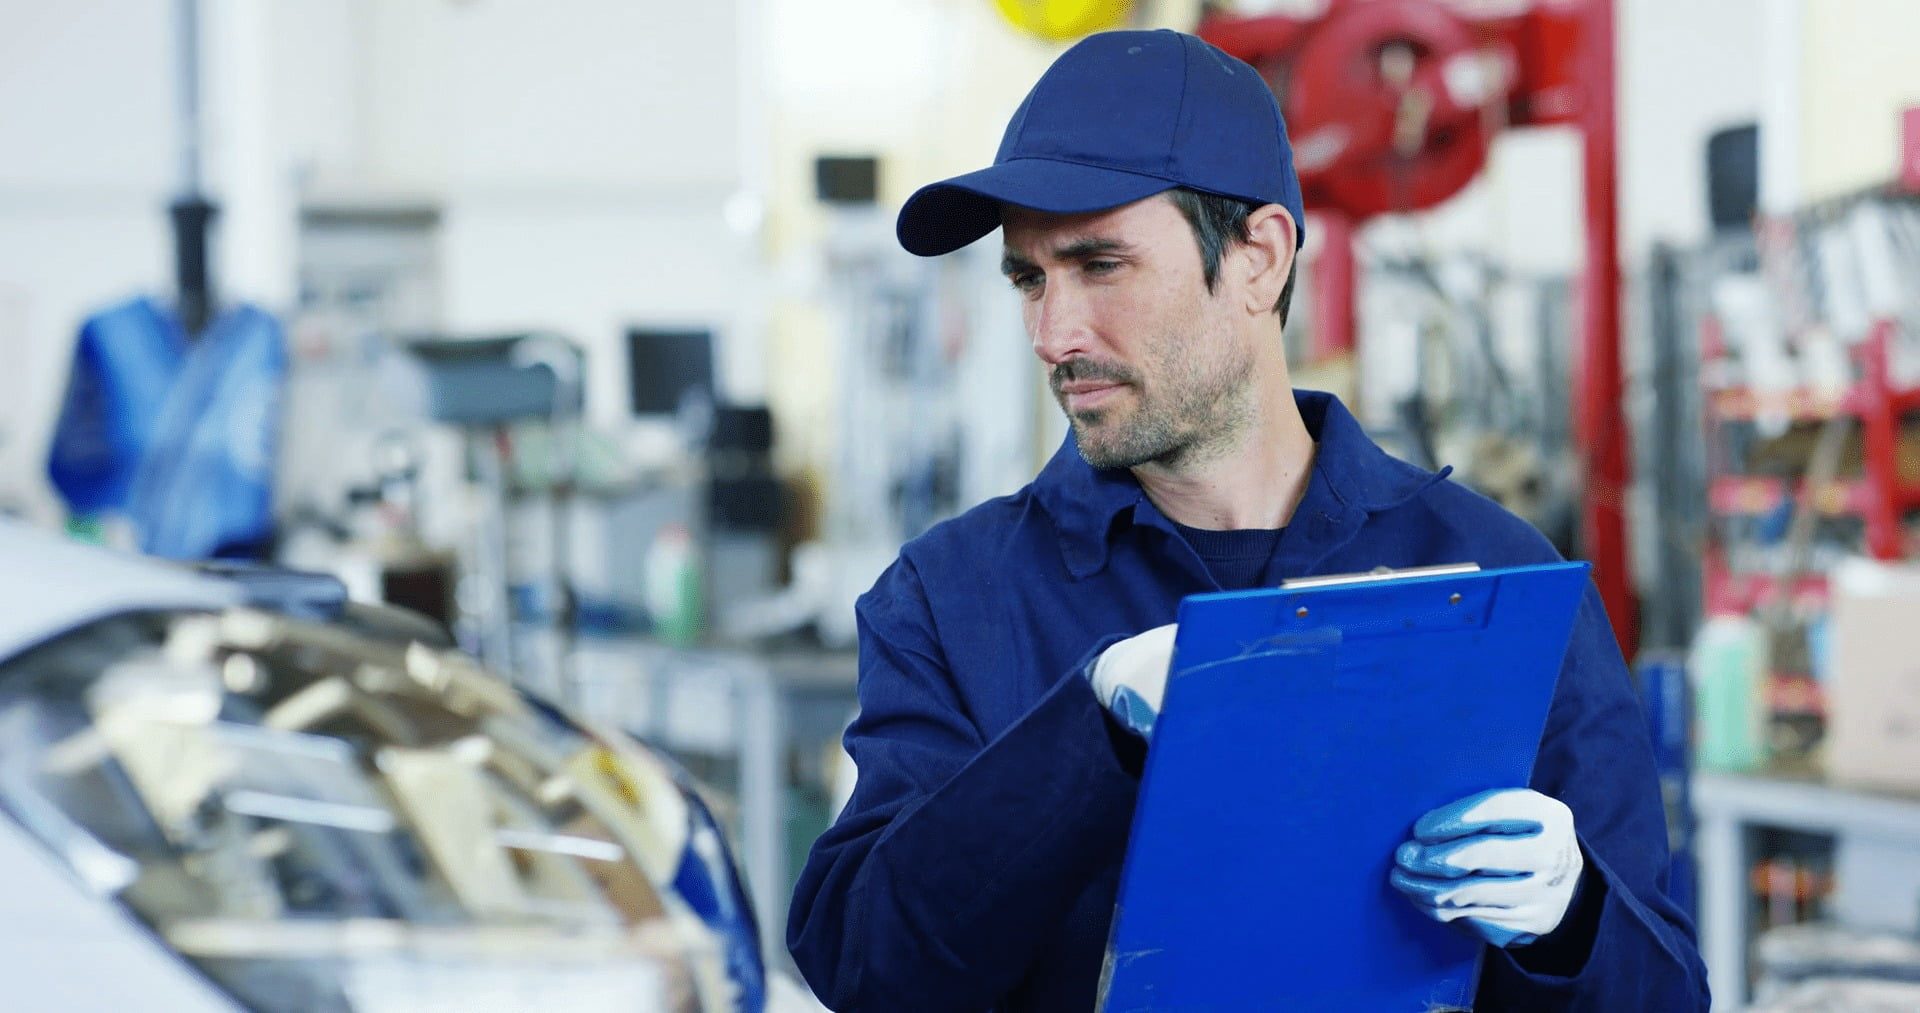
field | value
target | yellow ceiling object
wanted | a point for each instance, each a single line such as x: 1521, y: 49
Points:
x: 1064, y: 20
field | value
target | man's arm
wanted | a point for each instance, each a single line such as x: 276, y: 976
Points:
x: 956, y: 857
x: 1623, y: 943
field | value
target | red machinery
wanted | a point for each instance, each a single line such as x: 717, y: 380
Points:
x: 1392, y: 105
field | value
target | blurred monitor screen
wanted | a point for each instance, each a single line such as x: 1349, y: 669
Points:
x: 665, y: 365
x: 843, y: 179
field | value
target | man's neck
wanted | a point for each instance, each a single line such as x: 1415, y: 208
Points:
x: 1255, y: 483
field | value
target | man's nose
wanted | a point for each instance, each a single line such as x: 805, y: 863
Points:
x: 1059, y: 324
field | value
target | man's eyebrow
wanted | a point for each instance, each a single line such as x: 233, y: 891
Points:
x: 1081, y: 249
x: 1077, y: 249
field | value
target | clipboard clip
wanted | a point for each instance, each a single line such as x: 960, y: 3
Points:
x: 1378, y: 575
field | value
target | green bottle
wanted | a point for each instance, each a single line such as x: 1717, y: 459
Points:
x: 673, y: 587
x: 1730, y: 664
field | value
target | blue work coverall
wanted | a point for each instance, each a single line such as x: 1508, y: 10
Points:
x: 976, y: 865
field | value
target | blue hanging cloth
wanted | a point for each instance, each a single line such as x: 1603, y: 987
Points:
x: 178, y: 436
x: 124, y: 363
x: 205, y: 487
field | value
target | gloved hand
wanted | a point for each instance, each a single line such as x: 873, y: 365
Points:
x: 1130, y: 677
x: 1504, y: 863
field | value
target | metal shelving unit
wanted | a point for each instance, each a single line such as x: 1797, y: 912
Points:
x: 1877, y: 844
x: 1797, y: 476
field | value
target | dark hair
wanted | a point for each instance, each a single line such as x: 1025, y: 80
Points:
x: 1218, y: 224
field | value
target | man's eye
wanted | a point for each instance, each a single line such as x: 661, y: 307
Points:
x: 1102, y: 266
x: 1027, y: 281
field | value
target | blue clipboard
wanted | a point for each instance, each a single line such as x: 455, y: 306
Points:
x: 1303, y: 732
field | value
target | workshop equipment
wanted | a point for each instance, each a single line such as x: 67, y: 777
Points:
x: 482, y: 385
x: 1392, y: 105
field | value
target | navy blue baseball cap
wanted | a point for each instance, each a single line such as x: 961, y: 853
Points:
x: 1119, y: 117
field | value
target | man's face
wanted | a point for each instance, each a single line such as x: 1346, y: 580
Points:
x: 1145, y: 361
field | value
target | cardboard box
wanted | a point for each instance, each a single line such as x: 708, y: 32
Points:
x: 1873, y: 692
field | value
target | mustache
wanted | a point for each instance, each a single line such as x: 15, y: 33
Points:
x: 1088, y: 370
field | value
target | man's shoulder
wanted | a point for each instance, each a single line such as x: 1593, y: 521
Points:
x: 962, y: 558
x: 1472, y: 523
x: 978, y: 535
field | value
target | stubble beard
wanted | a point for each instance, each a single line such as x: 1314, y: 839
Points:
x: 1196, y: 408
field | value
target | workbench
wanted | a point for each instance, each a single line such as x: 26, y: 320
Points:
x: 1876, y: 868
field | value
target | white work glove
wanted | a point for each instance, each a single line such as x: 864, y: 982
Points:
x: 1130, y: 677
x: 1503, y: 863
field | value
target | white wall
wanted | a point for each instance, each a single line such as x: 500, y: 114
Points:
x: 585, y: 152
x: 87, y: 165
x: 1859, y: 71
x: 1686, y: 70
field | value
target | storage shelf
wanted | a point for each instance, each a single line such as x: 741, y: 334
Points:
x: 1729, y: 593
x: 1795, y: 695
x: 1734, y: 495
x: 1737, y: 494
x: 1727, y: 806
x: 1881, y: 497
x: 1807, y: 804
x: 1740, y: 404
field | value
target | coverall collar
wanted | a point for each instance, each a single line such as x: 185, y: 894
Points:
x: 1352, y: 478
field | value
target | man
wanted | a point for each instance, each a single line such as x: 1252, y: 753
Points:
x: 1012, y: 659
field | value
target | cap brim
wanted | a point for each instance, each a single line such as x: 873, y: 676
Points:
x: 942, y: 217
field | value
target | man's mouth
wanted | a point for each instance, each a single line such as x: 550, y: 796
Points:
x: 1081, y: 395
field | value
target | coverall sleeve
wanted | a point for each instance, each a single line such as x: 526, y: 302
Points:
x: 1628, y: 946
x: 958, y: 855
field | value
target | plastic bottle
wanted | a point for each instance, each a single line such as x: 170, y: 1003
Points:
x: 1730, y: 664
x: 673, y: 586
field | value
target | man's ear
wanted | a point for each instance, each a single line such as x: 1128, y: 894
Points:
x: 1267, y: 256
